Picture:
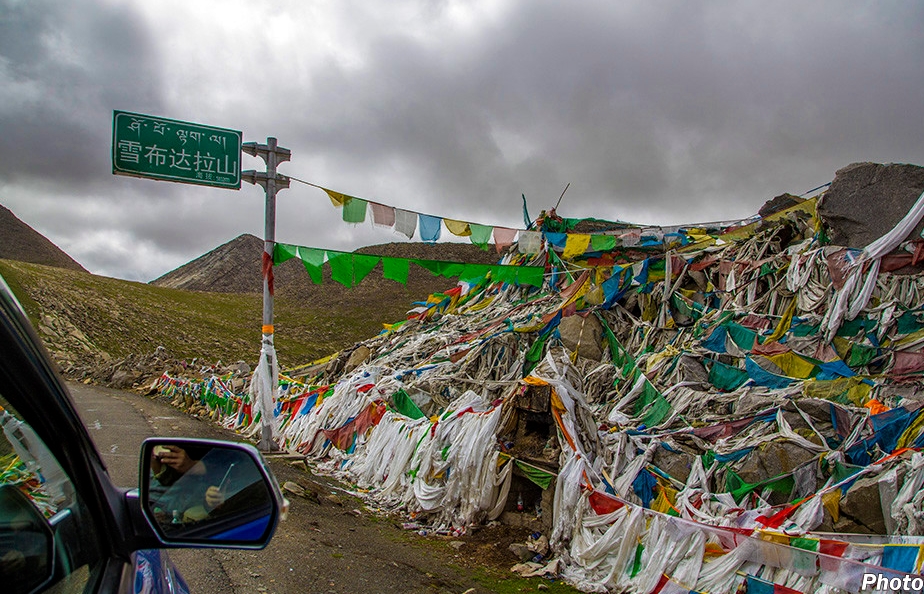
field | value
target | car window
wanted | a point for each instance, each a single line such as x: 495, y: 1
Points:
x: 47, y: 539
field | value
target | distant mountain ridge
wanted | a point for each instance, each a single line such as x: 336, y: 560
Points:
x: 235, y: 267
x: 20, y: 242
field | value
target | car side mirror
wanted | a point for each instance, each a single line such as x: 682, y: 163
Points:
x: 26, y: 542
x: 208, y: 493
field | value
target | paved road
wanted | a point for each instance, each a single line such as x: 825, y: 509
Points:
x: 328, y: 544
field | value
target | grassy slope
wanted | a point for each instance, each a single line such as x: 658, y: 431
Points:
x: 122, y: 317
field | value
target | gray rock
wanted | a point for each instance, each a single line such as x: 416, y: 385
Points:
x: 773, y: 459
x: 521, y: 551
x: 357, y: 357
x: 676, y: 464
x: 124, y: 378
x: 582, y: 334
x: 692, y: 370
x: 862, y: 505
x: 861, y: 188
x: 781, y: 202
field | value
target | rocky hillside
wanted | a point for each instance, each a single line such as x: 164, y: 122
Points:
x: 19, y: 241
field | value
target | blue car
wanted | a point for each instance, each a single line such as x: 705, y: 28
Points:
x: 64, y: 527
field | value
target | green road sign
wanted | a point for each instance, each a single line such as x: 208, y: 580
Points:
x: 165, y: 149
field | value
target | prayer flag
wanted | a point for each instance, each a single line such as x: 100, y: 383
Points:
x: 382, y: 215
x: 529, y: 242
x: 542, y: 478
x: 362, y: 266
x: 458, y: 228
x: 405, y: 222
x: 575, y: 245
x: 336, y: 198
x: 602, y: 243
x: 900, y: 557
x: 503, y: 238
x: 341, y: 269
x: 429, y: 228
x: 396, y: 269
x: 354, y: 210
x: 481, y: 235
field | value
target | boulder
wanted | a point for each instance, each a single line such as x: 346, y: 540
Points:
x: 861, y: 188
x: 582, y: 334
x: 862, y: 505
x: 773, y: 459
x: 693, y: 371
x: 357, y: 357
x: 676, y: 464
x: 781, y: 202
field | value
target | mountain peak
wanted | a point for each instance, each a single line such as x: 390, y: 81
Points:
x: 20, y: 242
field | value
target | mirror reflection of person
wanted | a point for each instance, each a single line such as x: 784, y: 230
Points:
x: 192, y: 485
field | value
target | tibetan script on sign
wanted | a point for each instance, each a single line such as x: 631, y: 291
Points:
x: 171, y: 150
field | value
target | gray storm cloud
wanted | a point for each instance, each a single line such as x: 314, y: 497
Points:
x: 654, y: 113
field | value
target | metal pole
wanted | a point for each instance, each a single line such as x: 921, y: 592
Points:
x: 271, y: 182
x: 269, y: 239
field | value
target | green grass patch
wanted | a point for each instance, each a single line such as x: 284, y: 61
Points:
x: 122, y: 317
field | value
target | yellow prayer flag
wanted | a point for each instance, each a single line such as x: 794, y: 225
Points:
x: 831, y: 502
x: 776, y: 537
x: 534, y: 381
x: 785, y: 322
x: 667, y: 497
x: 458, y: 228
x: 911, y: 433
x: 337, y: 198
x: 793, y: 365
x: 576, y: 244
x: 859, y: 394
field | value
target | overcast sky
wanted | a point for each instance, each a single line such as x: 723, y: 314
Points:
x: 654, y: 112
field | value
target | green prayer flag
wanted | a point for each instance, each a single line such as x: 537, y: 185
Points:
x: 602, y: 243
x: 362, y: 266
x: 530, y: 275
x: 808, y: 544
x: 739, y: 489
x: 481, y: 235
x: 538, y: 476
x: 861, y: 355
x: 315, y: 272
x: 725, y: 377
x: 313, y: 256
x: 434, y: 266
x: 743, y: 337
x: 534, y: 354
x: 354, y: 210
x: 708, y: 459
x: 503, y: 274
x: 657, y: 412
x: 283, y: 252
x: 313, y: 260
x: 396, y: 269
x: 637, y: 561
x: 341, y: 269
x: 406, y: 406
x: 907, y: 323
x: 451, y: 269
x: 474, y: 272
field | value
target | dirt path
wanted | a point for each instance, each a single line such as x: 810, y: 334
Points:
x: 331, y: 542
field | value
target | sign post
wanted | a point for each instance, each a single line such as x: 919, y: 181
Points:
x: 171, y: 150
x: 266, y: 377
x: 159, y: 148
